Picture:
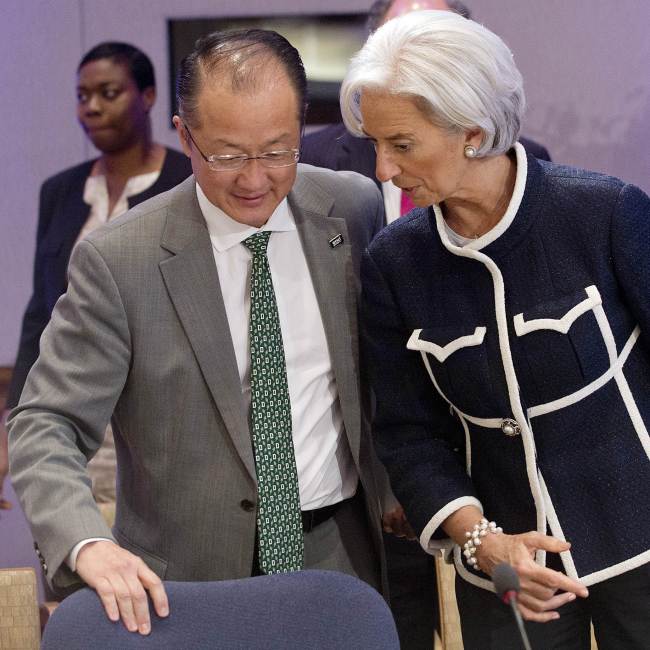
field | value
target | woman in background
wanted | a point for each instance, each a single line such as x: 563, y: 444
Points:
x: 506, y: 322
x: 116, y: 90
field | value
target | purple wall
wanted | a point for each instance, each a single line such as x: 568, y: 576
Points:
x: 586, y: 68
x: 585, y: 63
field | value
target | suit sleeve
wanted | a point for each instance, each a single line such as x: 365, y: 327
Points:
x: 36, y: 314
x: 66, y: 404
x: 630, y: 236
x: 415, y: 435
x: 318, y: 150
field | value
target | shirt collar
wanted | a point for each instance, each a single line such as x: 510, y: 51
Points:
x: 96, y: 193
x: 225, y: 232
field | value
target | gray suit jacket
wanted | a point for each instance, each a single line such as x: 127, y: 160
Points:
x: 142, y: 335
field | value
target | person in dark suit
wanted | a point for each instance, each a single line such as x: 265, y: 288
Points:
x: 116, y: 89
x: 216, y: 324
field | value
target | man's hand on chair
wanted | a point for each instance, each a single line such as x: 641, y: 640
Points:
x: 122, y: 581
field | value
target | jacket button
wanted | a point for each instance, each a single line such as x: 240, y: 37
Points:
x: 510, y: 428
x: 247, y: 506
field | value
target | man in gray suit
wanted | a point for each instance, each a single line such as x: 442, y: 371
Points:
x: 216, y: 324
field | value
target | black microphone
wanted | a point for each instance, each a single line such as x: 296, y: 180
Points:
x: 506, y: 583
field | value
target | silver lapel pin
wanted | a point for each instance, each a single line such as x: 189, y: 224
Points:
x: 336, y: 240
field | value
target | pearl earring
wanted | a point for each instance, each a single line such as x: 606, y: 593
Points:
x: 470, y: 151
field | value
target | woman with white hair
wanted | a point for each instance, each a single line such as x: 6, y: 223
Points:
x: 505, y: 323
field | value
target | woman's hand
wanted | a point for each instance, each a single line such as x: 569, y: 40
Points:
x: 394, y: 521
x: 538, y: 598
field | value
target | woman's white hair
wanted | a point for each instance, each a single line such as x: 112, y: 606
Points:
x: 461, y: 75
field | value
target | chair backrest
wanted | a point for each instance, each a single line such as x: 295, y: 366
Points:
x: 450, y: 632
x: 306, y: 609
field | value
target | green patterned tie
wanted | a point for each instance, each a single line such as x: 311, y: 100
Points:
x: 279, y: 522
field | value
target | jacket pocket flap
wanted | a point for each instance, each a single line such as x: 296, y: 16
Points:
x: 567, y: 306
x: 156, y: 563
x: 423, y: 341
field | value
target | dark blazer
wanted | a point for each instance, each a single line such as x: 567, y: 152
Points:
x: 514, y: 373
x: 62, y: 214
x: 335, y: 148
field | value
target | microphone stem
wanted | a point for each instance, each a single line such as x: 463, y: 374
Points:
x: 520, y: 623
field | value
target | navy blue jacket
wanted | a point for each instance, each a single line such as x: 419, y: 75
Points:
x: 537, y: 329
x: 62, y: 214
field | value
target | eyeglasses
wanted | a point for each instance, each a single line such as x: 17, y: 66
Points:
x: 233, y: 162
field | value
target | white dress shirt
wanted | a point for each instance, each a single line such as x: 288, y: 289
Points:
x: 326, y: 473
x: 392, y: 201
x: 96, y: 196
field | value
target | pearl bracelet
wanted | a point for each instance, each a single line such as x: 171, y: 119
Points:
x: 474, y: 540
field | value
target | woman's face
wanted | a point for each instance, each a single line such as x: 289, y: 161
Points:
x: 111, y: 109
x: 425, y: 161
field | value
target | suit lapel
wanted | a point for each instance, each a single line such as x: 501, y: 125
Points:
x: 334, y: 282
x: 193, y: 284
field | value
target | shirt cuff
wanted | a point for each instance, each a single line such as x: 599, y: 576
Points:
x: 71, y: 560
x: 433, y: 545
